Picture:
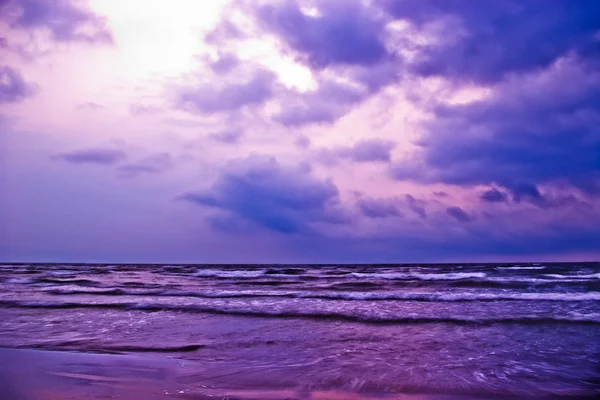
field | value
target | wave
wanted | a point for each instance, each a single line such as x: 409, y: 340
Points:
x: 351, y: 296
x: 223, y: 273
x: 426, y: 277
x: 264, y: 283
x: 521, y: 285
x: 51, y: 281
x: 110, y: 292
x: 364, y: 285
x: 285, y: 271
x: 539, y: 280
x: 19, y: 281
x: 437, y: 297
x: 583, y: 276
x: 146, y: 349
x: 111, y: 349
x: 169, y: 293
x: 340, y: 316
x: 63, y: 272
x: 56, y: 281
x: 524, y: 267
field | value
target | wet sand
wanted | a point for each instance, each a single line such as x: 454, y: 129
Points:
x: 47, y: 375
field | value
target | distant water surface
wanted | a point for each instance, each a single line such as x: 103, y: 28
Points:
x: 511, y: 329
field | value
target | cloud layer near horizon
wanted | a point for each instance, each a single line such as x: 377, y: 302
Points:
x: 314, y: 130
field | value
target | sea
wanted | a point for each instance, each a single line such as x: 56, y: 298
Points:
x: 525, y: 330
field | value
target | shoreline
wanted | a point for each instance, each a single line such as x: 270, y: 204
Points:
x: 33, y: 374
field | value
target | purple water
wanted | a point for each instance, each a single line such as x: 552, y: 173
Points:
x: 525, y: 330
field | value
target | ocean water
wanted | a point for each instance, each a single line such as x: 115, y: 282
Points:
x: 482, y: 330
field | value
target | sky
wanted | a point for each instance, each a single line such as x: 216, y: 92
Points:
x: 299, y: 131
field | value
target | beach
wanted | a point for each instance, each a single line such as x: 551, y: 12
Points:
x: 46, y: 375
x: 299, y: 332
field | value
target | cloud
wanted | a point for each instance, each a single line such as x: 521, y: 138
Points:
x: 529, y: 131
x: 309, y: 111
x: 62, y: 19
x: 417, y: 206
x: 486, y: 41
x: 459, y: 214
x: 218, y: 96
x: 326, y: 104
x: 341, y: 41
x: 379, y: 208
x: 228, y: 136
x: 92, y: 156
x: 303, y: 142
x: 224, y: 64
x: 494, y: 196
x: 13, y: 87
x: 153, y: 164
x: 368, y: 150
x: 90, y: 106
x: 284, y: 199
x: 525, y: 192
x: 138, y: 109
x: 343, y: 33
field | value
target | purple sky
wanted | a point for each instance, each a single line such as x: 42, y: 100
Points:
x: 299, y: 130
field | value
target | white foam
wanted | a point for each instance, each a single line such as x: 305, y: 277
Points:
x: 553, y: 296
x: 63, y: 272
x: 523, y: 267
x: 222, y: 273
x: 588, y: 276
x: 453, y: 276
x: 19, y: 280
x: 426, y: 277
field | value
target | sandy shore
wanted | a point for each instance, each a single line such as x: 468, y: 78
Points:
x: 48, y: 375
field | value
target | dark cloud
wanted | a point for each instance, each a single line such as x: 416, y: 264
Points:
x: 309, y: 111
x: 526, y: 192
x: 488, y: 40
x: 228, y: 136
x: 224, y: 64
x: 324, y: 105
x: 63, y: 19
x: 530, y: 194
x: 379, y: 208
x: 344, y: 32
x: 218, y: 96
x: 459, y: 214
x: 13, y: 87
x: 303, y: 142
x: 494, y: 196
x: 441, y: 194
x: 368, y: 150
x: 334, y: 97
x: 532, y: 130
x: 92, y: 156
x: 260, y: 190
x: 417, y: 206
x: 153, y: 164
x: 342, y: 41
